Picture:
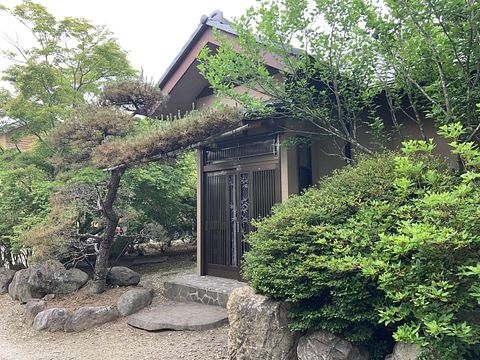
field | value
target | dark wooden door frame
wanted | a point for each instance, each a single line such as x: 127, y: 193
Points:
x: 237, y: 170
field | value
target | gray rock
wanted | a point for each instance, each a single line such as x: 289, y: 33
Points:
x: 45, y: 278
x: 52, y: 278
x: 122, y: 276
x: 51, y: 320
x: 88, y: 317
x: 327, y: 346
x: 32, y: 309
x: 134, y: 300
x: 20, y: 289
x: 148, y: 285
x: 402, y: 351
x: 259, y: 328
x: 6, y: 277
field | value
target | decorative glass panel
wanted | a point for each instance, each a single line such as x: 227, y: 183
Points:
x: 244, y: 210
x: 232, y: 204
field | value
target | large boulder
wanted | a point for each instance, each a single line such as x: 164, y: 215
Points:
x: 45, y: 278
x: 6, y: 277
x: 52, y: 278
x: 51, y: 320
x: 259, y: 328
x: 327, y: 346
x: 20, y: 289
x: 88, y: 317
x: 133, y: 301
x: 32, y: 309
x: 122, y: 276
x: 402, y: 351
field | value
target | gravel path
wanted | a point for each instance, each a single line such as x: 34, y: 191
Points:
x: 116, y: 340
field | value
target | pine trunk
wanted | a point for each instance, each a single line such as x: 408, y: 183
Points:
x: 112, y: 218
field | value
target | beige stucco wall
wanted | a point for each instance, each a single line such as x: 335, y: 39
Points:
x: 409, y: 130
x: 326, y: 157
x: 326, y: 151
x: 208, y: 101
x: 323, y: 164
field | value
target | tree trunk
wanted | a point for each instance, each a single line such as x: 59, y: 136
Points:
x: 111, y: 217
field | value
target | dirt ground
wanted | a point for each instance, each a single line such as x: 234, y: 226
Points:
x: 111, y: 341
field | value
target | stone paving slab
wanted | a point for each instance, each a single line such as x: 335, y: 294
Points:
x: 207, y: 290
x: 180, y: 316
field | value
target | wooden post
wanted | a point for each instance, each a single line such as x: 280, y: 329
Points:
x: 200, y: 259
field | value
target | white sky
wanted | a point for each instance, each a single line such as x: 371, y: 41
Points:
x: 152, y: 31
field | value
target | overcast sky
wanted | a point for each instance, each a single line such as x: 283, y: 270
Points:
x: 152, y: 31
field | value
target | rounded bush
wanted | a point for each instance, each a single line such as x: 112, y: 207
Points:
x: 387, y: 247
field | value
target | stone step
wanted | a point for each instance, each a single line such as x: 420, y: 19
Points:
x: 179, y: 316
x: 207, y: 290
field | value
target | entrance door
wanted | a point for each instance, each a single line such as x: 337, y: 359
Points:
x: 232, y: 199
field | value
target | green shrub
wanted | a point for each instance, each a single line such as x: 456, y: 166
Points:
x: 390, y: 246
x: 292, y: 251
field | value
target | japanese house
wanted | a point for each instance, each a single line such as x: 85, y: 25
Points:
x: 246, y: 171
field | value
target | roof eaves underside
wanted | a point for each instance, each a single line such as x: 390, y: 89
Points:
x: 181, y: 55
x: 190, y: 44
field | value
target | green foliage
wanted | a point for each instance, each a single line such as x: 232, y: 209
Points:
x: 165, y: 138
x: 306, y: 251
x: 422, y: 56
x: 388, y: 246
x: 165, y: 194
x: 26, y: 181
x: 69, y: 64
x: 329, y: 81
x: 73, y: 209
x: 430, y: 47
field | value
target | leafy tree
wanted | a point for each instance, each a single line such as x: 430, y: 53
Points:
x: 165, y: 193
x: 69, y: 64
x: 26, y: 182
x: 336, y: 57
x: 433, y: 49
x: 326, y: 82
x: 61, y: 78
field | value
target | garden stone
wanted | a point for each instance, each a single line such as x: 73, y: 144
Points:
x: 6, y: 277
x: 45, y: 278
x: 179, y: 316
x: 259, y: 328
x: 133, y: 301
x: 32, y: 309
x: 402, y: 351
x: 51, y: 320
x: 148, y: 285
x: 19, y: 289
x: 327, y: 346
x: 88, y: 317
x: 52, y: 278
x: 122, y: 276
